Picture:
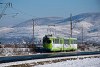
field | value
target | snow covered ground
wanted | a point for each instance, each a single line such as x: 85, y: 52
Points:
x: 88, y: 62
x: 72, y: 61
x: 15, y: 51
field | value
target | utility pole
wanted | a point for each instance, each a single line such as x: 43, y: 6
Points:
x: 5, y: 7
x: 33, y: 31
x: 82, y: 34
x: 71, y: 25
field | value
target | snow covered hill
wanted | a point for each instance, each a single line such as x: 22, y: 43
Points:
x: 88, y: 17
x: 40, y: 21
x: 58, y: 26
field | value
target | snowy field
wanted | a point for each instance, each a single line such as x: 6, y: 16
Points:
x: 72, y: 61
x: 88, y: 62
x: 15, y: 51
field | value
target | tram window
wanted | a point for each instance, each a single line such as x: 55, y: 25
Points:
x: 44, y: 41
x: 73, y: 41
x: 48, y: 41
x: 53, y: 40
x: 65, y: 41
x: 61, y: 42
x: 56, y: 41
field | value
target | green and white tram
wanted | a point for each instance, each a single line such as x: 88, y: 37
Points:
x: 51, y: 43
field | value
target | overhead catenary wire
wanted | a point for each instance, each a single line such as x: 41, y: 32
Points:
x: 24, y: 13
x: 4, y: 9
x: 19, y: 12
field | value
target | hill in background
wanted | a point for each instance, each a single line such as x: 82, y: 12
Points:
x: 21, y: 33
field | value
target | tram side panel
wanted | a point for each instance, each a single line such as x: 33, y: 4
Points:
x: 59, y: 44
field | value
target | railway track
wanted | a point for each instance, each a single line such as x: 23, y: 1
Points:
x: 44, y: 55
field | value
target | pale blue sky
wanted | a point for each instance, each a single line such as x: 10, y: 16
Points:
x: 47, y: 8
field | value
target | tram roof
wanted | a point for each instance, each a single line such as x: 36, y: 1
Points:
x: 51, y: 36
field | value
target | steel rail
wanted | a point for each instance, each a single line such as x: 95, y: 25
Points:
x: 44, y: 55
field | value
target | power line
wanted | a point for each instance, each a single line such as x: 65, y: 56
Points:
x: 22, y: 12
x: 4, y: 9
